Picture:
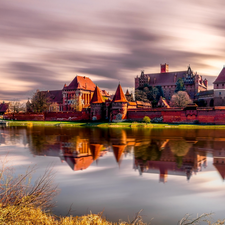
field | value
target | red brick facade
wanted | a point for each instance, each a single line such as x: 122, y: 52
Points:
x: 193, y: 82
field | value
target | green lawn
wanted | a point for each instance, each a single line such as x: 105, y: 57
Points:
x: 119, y: 125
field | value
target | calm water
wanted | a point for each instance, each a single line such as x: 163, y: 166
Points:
x: 165, y: 172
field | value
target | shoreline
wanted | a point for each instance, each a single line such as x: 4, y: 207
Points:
x: 9, y: 123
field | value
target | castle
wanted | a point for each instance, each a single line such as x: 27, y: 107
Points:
x: 193, y: 82
x: 82, y: 100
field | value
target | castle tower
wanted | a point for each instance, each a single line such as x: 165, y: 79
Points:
x: 97, y: 103
x: 164, y: 68
x: 119, y: 106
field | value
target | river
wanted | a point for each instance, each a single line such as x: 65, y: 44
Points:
x: 165, y: 172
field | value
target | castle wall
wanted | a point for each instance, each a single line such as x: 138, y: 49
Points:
x: 67, y: 116
x: 49, y: 116
x: 24, y: 116
x: 203, y: 115
x: 118, y: 111
x: 210, y: 115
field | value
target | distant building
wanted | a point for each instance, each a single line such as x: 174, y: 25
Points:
x: 193, y: 82
x: 3, y: 108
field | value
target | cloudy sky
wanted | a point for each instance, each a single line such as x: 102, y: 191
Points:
x: 45, y: 44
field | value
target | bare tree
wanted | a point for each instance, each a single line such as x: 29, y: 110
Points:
x: 16, y: 107
x: 40, y: 101
x: 54, y: 107
x: 180, y: 99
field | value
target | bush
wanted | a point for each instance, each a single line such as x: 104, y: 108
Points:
x: 146, y: 119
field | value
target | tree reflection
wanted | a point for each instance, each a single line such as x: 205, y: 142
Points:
x: 148, y: 152
x: 179, y: 147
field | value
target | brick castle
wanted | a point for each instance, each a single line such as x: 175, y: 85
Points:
x: 92, y: 103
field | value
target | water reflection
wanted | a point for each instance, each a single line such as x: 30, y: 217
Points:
x: 163, y: 151
x: 170, y: 156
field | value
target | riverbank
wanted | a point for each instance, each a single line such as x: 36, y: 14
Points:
x: 110, y: 125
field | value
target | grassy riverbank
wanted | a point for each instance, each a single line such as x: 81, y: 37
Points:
x: 77, y: 124
x: 111, y: 125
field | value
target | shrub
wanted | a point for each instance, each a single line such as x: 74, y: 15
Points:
x: 146, y: 119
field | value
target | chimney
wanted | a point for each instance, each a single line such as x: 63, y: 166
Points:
x: 164, y: 68
x: 206, y: 82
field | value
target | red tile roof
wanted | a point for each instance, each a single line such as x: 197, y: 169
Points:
x: 132, y: 103
x: 165, y: 78
x: 163, y: 103
x: 84, y: 83
x: 105, y: 93
x: 221, y: 77
x: 119, y: 95
x: 97, y: 96
x: 55, y: 96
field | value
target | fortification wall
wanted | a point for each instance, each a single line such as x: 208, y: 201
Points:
x: 202, y: 115
x: 24, y: 116
x: 49, y: 116
x: 210, y: 115
x: 67, y: 116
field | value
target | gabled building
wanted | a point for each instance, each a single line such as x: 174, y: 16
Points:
x: 193, y: 82
x: 80, y: 90
x: 74, y: 97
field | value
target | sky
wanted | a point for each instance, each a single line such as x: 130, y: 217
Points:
x: 45, y: 44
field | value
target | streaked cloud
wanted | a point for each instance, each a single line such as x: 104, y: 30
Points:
x: 46, y: 44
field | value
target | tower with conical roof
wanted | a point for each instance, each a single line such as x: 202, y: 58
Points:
x: 119, y: 106
x: 97, y: 105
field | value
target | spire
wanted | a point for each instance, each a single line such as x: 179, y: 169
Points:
x: 119, y: 95
x: 97, y: 96
x: 127, y: 93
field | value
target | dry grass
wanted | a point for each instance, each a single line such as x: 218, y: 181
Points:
x: 17, y: 190
x: 205, y: 218
x: 31, y: 215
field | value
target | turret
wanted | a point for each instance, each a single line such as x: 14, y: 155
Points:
x: 119, y: 106
x: 97, y: 103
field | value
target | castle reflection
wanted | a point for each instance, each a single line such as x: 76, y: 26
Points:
x: 171, y: 156
x: 162, y: 151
